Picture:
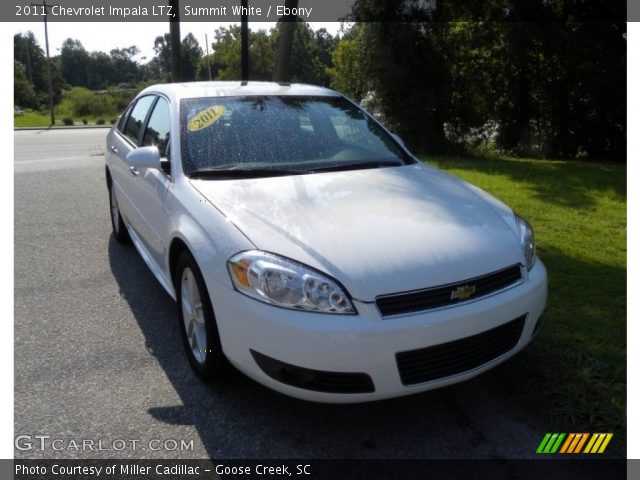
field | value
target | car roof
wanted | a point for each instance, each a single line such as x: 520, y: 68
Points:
x: 236, y: 88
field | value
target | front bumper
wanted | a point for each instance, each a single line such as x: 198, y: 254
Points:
x: 366, y: 342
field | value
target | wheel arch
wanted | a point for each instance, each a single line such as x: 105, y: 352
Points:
x: 209, y: 252
x: 177, y: 247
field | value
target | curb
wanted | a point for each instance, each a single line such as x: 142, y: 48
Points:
x: 61, y: 127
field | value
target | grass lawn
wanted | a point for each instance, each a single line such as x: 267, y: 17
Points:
x: 32, y: 118
x: 575, y: 371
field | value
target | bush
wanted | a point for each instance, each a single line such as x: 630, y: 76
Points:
x: 113, y: 121
x: 82, y: 102
x: 67, y: 121
x: 84, y: 121
x: 100, y: 121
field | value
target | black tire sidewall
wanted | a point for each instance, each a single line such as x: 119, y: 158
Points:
x: 214, y: 366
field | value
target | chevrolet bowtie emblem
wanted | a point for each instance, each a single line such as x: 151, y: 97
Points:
x: 463, y: 292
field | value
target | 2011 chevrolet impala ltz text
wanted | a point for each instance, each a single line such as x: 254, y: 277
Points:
x: 305, y: 245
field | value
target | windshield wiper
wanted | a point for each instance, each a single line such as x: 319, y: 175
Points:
x: 243, y: 172
x: 359, y: 165
x: 273, y: 172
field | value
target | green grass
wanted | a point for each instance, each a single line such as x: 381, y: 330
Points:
x: 32, y: 118
x: 575, y: 371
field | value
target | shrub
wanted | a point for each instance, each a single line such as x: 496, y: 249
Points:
x: 84, y: 121
x: 100, y: 121
x: 113, y: 121
x: 82, y: 102
x: 67, y: 121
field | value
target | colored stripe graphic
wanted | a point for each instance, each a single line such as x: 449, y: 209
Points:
x: 597, y: 443
x: 567, y: 443
x: 556, y: 445
x: 543, y: 443
x: 605, y: 443
x: 549, y: 446
x: 573, y: 445
x: 594, y: 437
x: 550, y: 443
x: 578, y: 442
x: 581, y: 443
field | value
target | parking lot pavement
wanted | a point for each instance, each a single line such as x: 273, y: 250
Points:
x: 98, y: 356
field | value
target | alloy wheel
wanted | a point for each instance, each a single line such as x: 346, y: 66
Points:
x: 193, y: 316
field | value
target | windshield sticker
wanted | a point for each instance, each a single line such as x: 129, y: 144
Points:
x: 205, y: 118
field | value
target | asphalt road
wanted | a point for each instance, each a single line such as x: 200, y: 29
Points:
x: 98, y: 356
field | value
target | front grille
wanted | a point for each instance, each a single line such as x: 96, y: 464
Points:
x: 430, y: 298
x: 316, y: 380
x: 459, y: 356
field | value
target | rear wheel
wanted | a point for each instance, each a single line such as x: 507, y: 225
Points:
x: 197, y: 322
x: 117, y: 224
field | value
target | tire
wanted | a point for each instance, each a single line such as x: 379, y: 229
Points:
x: 197, y: 323
x: 117, y: 224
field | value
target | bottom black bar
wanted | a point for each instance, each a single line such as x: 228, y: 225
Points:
x: 449, y: 469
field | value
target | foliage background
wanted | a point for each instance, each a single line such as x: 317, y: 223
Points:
x: 531, y: 78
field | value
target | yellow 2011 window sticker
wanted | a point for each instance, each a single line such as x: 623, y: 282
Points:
x: 205, y: 118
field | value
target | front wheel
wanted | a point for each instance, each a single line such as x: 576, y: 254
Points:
x: 197, y: 322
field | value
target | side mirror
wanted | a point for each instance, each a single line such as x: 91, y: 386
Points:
x: 398, y: 139
x: 145, y: 157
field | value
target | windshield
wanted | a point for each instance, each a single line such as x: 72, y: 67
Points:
x: 286, y: 134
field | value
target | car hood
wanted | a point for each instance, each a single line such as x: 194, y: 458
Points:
x: 376, y: 231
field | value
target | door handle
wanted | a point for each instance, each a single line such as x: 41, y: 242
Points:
x: 134, y: 171
x: 114, y: 149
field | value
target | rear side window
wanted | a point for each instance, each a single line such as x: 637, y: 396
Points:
x: 122, y: 121
x: 137, y: 117
x: 158, y: 128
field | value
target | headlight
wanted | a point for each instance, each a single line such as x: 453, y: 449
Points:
x: 527, y: 240
x: 279, y: 281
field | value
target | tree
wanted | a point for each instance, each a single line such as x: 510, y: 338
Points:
x: 349, y: 71
x: 226, y: 54
x: 153, y: 70
x: 75, y: 62
x: 191, y: 53
x: 311, y: 55
x: 28, y: 53
x: 97, y: 70
x: 162, y: 49
x: 404, y: 66
x: 190, y: 57
x: 126, y: 68
x: 24, y: 95
x: 537, y: 77
x: 101, y: 71
x: 325, y: 44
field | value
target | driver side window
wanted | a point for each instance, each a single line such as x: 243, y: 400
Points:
x: 158, y: 128
x: 136, y: 119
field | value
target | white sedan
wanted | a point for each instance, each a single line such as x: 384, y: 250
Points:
x: 306, y: 246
